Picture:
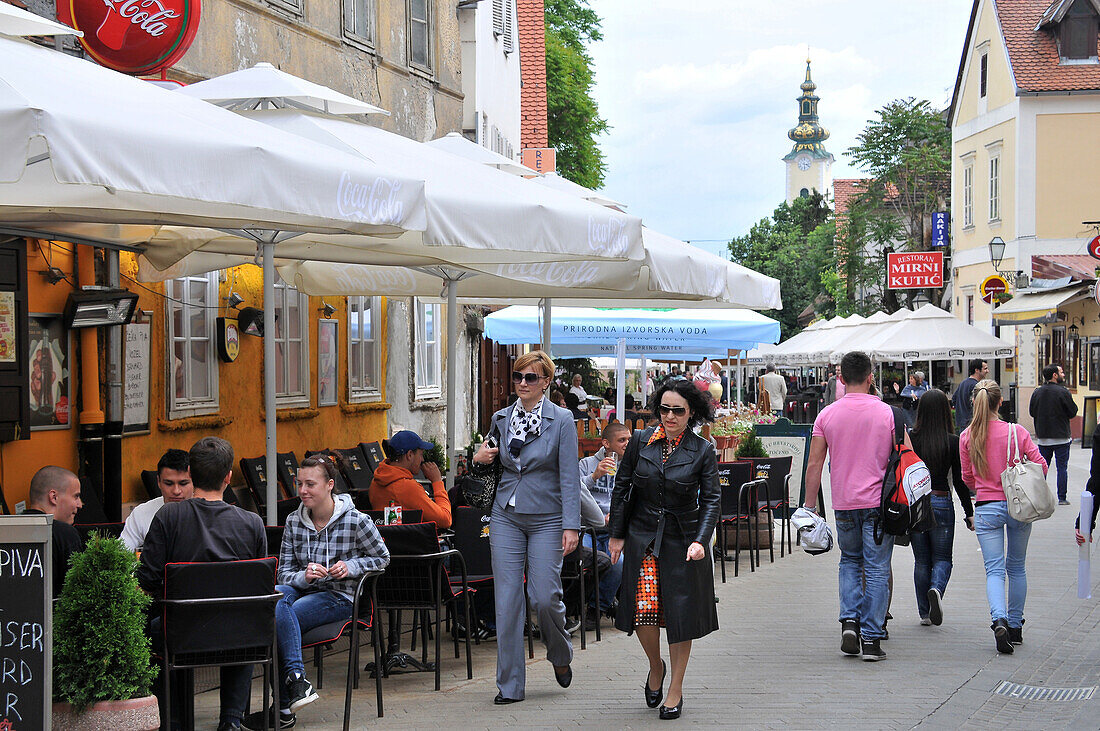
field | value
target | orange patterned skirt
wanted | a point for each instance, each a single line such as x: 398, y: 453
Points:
x: 647, y: 601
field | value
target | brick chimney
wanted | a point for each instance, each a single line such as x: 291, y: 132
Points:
x: 531, y: 21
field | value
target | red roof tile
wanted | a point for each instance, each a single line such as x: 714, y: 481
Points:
x: 1078, y: 266
x: 1034, y: 53
x: 531, y: 24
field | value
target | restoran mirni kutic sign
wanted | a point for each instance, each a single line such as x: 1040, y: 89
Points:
x: 914, y: 270
x: 136, y: 37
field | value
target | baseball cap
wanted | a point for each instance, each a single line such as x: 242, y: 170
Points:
x: 406, y: 441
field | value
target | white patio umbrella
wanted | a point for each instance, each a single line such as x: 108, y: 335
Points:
x: 17, y: 22
x: 850, y: 338
x: 557, y: 182
x: 455, y: 144
x: 930, y: 333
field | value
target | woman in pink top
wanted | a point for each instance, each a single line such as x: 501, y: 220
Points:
x: 983, y: 448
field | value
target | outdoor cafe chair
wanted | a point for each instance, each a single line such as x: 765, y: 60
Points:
x: 417, y: 579
x: 735, y: 509
x: 150, y: 481
x: 379, y: 516
x: 110, y: 530
x: 471, y: 538
x: 219, y: 613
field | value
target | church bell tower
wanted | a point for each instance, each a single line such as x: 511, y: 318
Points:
x: 809, y: 164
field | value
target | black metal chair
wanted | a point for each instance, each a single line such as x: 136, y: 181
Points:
x: 284, y: 508
x: 731, y: 476
x: 341, y: 481
x: 777, y: 471
x: 574, y: 572
x: 749, y: 496
x: 111, y: 530
x: 373, y: 453
x: 274, y: 539
x: 355, y: 470
x: 417, y: 579
x: 471, y: 539
x: 286, y: 465
x: 254, y: 470
x: 219, y: 613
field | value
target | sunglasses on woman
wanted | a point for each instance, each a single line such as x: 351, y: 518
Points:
x: 529, y: 377
x: 676, y: 410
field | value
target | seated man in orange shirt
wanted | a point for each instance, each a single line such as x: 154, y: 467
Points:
x: 394, y: 480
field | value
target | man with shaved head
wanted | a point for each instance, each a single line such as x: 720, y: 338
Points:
x: 56, y: 491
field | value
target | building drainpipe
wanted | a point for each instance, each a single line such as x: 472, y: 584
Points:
x: 92, y: 417
x: 112, y: 442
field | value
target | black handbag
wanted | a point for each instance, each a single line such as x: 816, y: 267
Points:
x: 479, y: 486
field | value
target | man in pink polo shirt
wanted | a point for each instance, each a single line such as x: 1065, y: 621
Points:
x: 857, y: 433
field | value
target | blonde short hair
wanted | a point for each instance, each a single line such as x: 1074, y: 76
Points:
x: 537, y: 358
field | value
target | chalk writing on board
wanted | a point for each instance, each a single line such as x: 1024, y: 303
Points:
x: 135, y: 410
x: 792, y: 446
x: 22, y: 636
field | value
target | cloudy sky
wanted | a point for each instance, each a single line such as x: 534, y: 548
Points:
x: 700, y: 94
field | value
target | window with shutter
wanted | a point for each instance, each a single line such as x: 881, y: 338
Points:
x: 498, y: 18
x: 419, y: 13
x: 14, y: 356
x: 509, y: 13
x: 1077, y: 32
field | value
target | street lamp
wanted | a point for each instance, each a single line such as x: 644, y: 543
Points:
x: 921, y: 299
x: 1073, y: 331
x: 997, y: 252
x: 1037, y: 330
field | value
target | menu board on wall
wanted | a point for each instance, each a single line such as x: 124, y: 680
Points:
x: 136, y: 383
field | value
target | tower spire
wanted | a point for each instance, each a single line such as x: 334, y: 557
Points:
x: 808, y: 135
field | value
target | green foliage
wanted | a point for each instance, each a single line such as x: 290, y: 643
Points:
x: 100, y: 649
x: 751, y: 446
x: 906, y: 149
x: 591, y: 380
x: 794, y: 246
x: 573, y: 119
x: 438, y: 455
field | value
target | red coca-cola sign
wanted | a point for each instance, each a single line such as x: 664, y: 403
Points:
x: 133, y: 36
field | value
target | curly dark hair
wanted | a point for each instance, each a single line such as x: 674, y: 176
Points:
x: 700, y: 405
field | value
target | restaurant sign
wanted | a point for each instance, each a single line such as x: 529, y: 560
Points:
x: 914, y: 270
x: 992, y: 286
x: 135, y: 37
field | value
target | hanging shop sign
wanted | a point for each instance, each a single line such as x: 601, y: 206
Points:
x: 229, y: 339
x: 992, y: 286
x: 941, y: 226
x: 1094, y: 247
x: 540, y: 159
x: 914, y: 270
x: 133, y: 36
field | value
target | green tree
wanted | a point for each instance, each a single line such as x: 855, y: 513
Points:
x: 573, y: 119
x: 906, y: 149
x: 794, y: 245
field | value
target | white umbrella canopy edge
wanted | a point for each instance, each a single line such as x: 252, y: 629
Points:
x: 18, y: 22
x: 455, y: 144
x: 87, y: 144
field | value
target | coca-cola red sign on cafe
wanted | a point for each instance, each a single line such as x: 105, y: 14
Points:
x: 136, y: 37
x: 914, y: 270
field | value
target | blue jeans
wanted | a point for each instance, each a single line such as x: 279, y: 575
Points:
x: 1061, y: 452
x: 299, y: 612
x: 991, y: 523
x: 861, y: 559
x: 932, y: 553
x: 609, y: 579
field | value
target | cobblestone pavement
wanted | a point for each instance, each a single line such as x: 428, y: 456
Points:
x: 776, y: 662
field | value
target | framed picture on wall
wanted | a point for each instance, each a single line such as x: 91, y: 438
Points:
x: 328, y: 338
x: 50, y: 363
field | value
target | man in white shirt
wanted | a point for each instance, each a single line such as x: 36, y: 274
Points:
x: 578, y: 390
x: 776, y: 386
x: 174, y: 480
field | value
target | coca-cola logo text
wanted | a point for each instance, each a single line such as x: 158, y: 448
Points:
x: 557, y: 274
x: 133, y: 36
x: 148, y: 15
x: 608, y: 237
x: 375, y: 202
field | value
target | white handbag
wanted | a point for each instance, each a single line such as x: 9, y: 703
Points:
x: 1026, y: 491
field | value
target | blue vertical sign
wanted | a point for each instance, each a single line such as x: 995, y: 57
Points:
x: 941, y: 227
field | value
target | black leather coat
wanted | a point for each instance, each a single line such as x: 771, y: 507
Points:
x: 668, y: 506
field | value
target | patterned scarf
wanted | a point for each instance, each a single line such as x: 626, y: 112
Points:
x: 668, y: 446
x: 525, y: 423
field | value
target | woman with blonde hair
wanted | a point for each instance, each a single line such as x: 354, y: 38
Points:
x: 983, y: 448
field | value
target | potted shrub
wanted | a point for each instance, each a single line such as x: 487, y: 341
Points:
x: 102, y: 671
x: 438, y: 455
x: 750, y: 447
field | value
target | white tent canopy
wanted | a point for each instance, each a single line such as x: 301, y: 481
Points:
x: 933, y: 334
x: 557, y: 182
x: 17, y: 22
x: 455, y: 144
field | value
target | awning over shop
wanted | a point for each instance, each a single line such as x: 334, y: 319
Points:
x: 1038, y: 306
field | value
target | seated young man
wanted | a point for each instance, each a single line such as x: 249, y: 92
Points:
x: 598, y: 476
x: 56, y: 491
x: 394, y: 480
x: 201, y: 529
x: 174, y: 481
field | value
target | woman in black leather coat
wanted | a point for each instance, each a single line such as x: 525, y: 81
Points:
x: 664, y: 508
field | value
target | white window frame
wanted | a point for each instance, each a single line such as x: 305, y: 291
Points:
x: 349, y: 14
x: 287, y: 398
x: 968, y: 195
x: 180, y: 289
x: 995, y: 187
x: 373, y: 305
x: 425, y: 67
x: 427, y: 384
x: 293, y: 7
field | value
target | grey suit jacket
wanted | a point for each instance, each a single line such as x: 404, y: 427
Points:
x: 549, y: 481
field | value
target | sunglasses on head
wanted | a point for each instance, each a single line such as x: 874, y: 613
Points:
x: 529, y: 377
x: 677, y: 410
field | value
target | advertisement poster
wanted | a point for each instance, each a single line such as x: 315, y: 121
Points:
x: 49, y: 366
x: 326, y: 362
x: 7, y: 327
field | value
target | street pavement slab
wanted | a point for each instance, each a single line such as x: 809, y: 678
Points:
x: 776, y: 661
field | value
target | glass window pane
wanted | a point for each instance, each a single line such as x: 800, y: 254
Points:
x: 200, y: 376
x: 280, y: 369
x: 368, y: 331
x: 369, y: 367
x: 418, y: 33
x: 294, y: 368
x: 429, y: 324
x: 179, y: 372
x: 196, y: 291
x: 293, y: 316
x: 418, y: 9
x: 197, y: 318
x: 354, y: 367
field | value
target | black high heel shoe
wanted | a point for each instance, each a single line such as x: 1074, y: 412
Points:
x: 653, y: 698
x: 671, y: 714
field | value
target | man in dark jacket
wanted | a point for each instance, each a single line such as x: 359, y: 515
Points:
x: 1052, y: 407
x: 56, y: 491
x: 963, y: 400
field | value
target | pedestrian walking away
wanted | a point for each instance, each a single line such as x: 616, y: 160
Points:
x: 776, y: 386
x: 983, y: 449
x: 536, y: 520
x: 1052, y: 406
x: 857, y: 433
x: 663, y: 511
x: 935, y: 442
x: 962, y: 399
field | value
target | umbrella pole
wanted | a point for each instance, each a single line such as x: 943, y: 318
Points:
x: 270, y: 419
x: 645, y: 383
x: 546, y: 313
x: 452, y: 375
x: 620, y: 376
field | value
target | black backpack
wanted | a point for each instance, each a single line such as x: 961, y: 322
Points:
x: 897, y: 516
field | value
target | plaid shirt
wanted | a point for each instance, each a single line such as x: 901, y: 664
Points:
x: 350, y: 537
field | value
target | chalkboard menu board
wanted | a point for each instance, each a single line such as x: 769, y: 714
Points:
x: 26, y: 622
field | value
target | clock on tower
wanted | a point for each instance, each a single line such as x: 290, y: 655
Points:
x: 809, y: 164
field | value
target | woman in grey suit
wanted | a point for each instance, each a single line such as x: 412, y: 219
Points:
x: 664, y: 508
x: 535, y: 521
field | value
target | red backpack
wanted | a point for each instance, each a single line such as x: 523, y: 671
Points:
x: 906, y: 505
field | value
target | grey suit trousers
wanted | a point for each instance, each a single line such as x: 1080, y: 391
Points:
x: 534, y: 539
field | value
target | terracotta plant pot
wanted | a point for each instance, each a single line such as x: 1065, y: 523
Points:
x: 136, y: 714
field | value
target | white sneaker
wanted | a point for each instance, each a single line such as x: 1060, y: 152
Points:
x: 925, y: 622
